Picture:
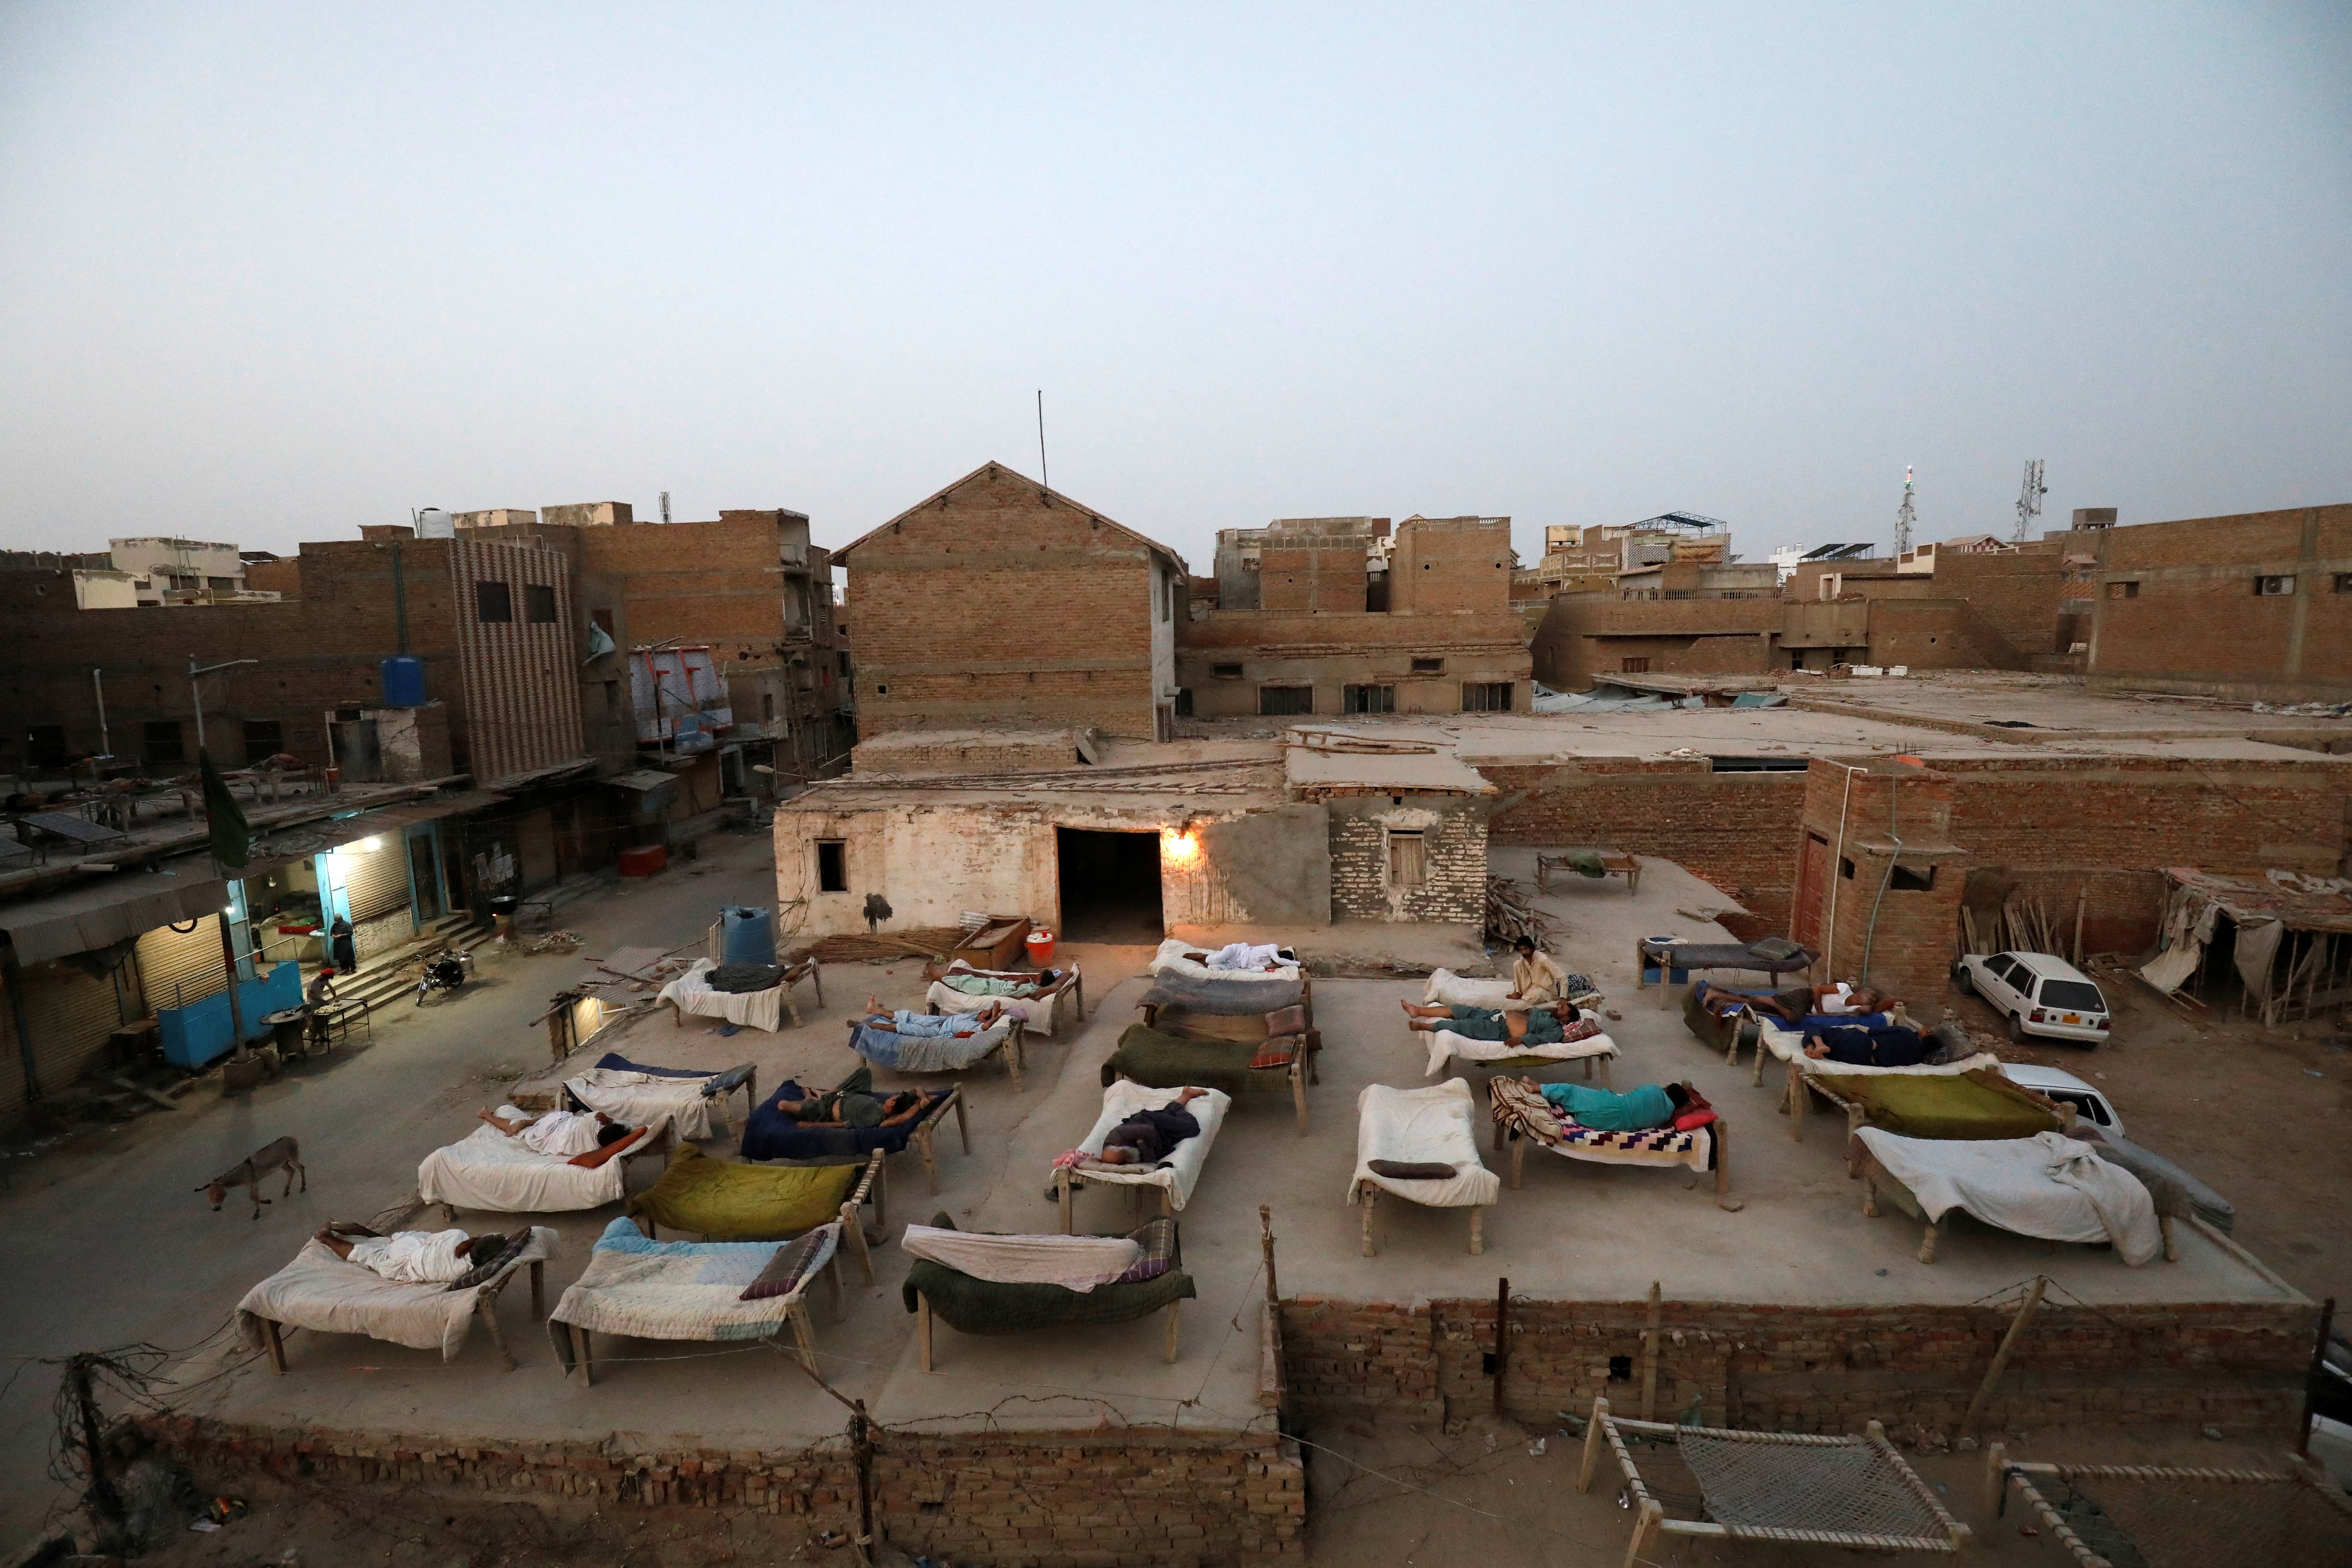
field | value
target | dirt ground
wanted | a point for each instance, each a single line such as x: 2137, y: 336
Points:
x: 2258, y: 1114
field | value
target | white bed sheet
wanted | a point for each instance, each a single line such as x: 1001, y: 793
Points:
x: 1788, y: 1045
x: 692, y: 994
x: 638, y: 1099
x: 1171, y: 960
x: 2048, y: 1185
x: 1181, y: 1174
x: 332, y: 1294
x: 1422, y: 1126
x: 1444, y: 1044
x: 489, y: 1171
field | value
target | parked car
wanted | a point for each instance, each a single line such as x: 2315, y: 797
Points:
x: 2039, y: 993
x: 2056, y: 1083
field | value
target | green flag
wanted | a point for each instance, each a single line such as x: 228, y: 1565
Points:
x: 232, y: 840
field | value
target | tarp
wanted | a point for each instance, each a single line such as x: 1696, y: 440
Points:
x: 2264, y: 909
x: 1607, y: 699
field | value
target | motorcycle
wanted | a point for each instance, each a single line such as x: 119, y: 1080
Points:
x: 443, y: 974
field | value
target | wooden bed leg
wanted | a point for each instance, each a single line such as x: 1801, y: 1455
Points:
x: 538, y: 1291
x: 1607, y: 1069
x: 1927, y: 1244
x: 1588, y: 1070
x: 1723, y: 1198
x: 855, y: 1234
x: 1477, y: 1233
x: 1854, y: 1120
x: 1518, y: 1161
x: 816, y: 975
x: 449, y: 1213
x: 1869, y: 1198
x: 1645, y: 1530
x: 489, y: 1306
x: 805, y: 1335
x: 1168, y: 1202
x: 1063, y: 1183
x: 1800, y: 1104
x: 1365, y: 1197
x: 277, y: 1345
x: 923, y: 1326
x: 1496, y: 1121
x: 840, y: 1296
x: 2171, y: 1247
x: 1013, y: 1057
x: 1299, y: 1086
x: 1592, y: 1444
x: 1996, y: 1477
x: 1757, y: 1080
x: 963, y: 1121
x: 587, y: 1343
x: 1171, y: 1330
x: 931, y: 1159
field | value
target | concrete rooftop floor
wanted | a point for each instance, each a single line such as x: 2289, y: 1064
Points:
x: 1575, y: 1230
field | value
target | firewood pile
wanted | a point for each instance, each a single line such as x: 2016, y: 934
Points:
x: 1510, y: 915
x: 882, y: 946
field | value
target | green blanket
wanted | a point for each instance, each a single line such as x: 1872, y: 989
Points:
x: 1167, y: 1061
x: 1970, y: 1105
x: 743, y: 1203
x: 979, y: 1307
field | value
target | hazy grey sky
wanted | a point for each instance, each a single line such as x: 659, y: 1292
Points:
x: 268, y: 273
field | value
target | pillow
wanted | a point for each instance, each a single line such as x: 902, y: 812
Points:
x: 483, y: 1272
x: 1158, y: 1240
x: 793, y: 1263
x: 1696, y: 1113
x: 1412, y: 1171
x: 596, y: 1157
x: 1582, y: 1029
x: 1290, y: 1020
x: 1775, y: 947
x: 1275, y: 1052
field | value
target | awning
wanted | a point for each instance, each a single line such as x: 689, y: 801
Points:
x: 643, y: 779
x: 287, y: 844
x: 107, y: 908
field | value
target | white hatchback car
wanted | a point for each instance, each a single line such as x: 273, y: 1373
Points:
x: 2090, y: 1103
x: 2039, y: 994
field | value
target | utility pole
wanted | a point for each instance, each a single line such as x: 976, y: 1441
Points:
x: 196, y: 694
x: 665, y: 506
x: 2028, y: 499
x: 1907, y: 517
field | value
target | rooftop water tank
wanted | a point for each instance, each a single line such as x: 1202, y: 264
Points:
x: 746, y: 935
x: 435, y: 523
x: 403, y: 681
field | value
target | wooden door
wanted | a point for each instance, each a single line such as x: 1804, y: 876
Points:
x: 1812, y: 889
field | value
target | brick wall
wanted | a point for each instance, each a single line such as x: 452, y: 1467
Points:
x: 992, y: 603
x: 1585, y: 636
x: 1336, y: 649
x: 1811, y: 1369
x: 2192, y: 621
x: 1734, y: 829
x: 1454, y: 849
x: 1072, y: 1500
x: 955, y: 753
x: 1450, y: 563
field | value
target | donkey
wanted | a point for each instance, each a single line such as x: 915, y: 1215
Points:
x: 285, y: 1154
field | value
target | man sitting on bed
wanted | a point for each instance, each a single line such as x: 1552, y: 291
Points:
x: 1535, y: 977
x: 1891, y: 1047
x: 411, y: 1256
x: 853, y: 1103
x: 562, y: 1133
x: 1147, y: 1137
x: 1544, y: 1024
x: 905, y: 1023
x: 1605, y: 1110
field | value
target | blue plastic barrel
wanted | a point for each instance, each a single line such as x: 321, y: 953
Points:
x: 403, y: 681
x: 746, y: 935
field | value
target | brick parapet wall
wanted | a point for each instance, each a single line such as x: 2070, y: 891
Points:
x: 1048, y: 1500
x: 1810, y: 1369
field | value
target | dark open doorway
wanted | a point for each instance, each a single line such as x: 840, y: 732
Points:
x: 1109, y: 885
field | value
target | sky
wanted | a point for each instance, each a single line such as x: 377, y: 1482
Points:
x: 270, y: 273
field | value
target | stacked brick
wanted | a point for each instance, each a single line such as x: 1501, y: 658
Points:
x: 1453, y: 847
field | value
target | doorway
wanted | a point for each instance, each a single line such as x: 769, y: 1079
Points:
x: 424, y: 880
x: 1109, y: 885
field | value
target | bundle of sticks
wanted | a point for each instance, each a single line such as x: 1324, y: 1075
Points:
x: 924, y: 942
x: 1510, y: 915
x: 2025, y: 925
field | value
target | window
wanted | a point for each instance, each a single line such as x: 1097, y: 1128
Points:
x: 1408, y: 860
x: 2072, y: 996
x: 2123, y: 590
x: 1368, y: 700
x: 1907, y: 879
x: 2344, y: 581
x: 832, y: 866
x: 2269, y: 587
x: 221, y: 585
x: 1429, y: 666
x: 263, y: 738
x: 1845, y: 868
x: 1167, y: 598
x: 1183, y: 702
x: 539, y: 603
x: 1376, y: 592
x: 881, y: 692
x: 1485, y: 697
x: 493, y: 601
x: 1632, y: 667
x: 1274, y: 700
x: 163, y: 742
x: 604, y: 622
x: 44, y: 745
x: 1226, y: 672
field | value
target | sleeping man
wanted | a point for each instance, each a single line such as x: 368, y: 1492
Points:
x: 853, y: 1103
x: 1605, y: 1110
x: 1793, y: 1005
x: 1543, y: 1024
x: 561, y: 1133
x: 411, y: 1256
x: 1147, y: 1137
x: 1892, y: 1046
x: 905, y: 1023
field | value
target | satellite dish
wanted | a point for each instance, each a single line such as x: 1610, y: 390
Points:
x: 433, y: 523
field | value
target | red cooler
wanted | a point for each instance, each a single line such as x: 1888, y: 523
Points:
x: 1041, y: 948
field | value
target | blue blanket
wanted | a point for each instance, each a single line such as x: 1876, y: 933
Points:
x: 770, y: 1135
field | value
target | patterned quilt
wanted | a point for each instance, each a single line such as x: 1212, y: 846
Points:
x: 1519, y: 1110
x: 678, y: 1289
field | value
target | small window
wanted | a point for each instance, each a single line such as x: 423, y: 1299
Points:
x: 493, y: 601
x: 604, y: 621
x: 1912, y: 880
x: 163, y: 742
x: 539, y: 604
x: 1408, y: 860
x: 2123, y: 590
x: 1274, y: 701
x: 2343, y: 583
x: 881, y: 692
x: 1632, y: 667
x: 2270, y: 587
x: 1845, y: 868
x: 1429, y: 666
x: 1485, y: 697
x: 832, y: 866
x: 264, y: 738
x: 221, y: 585
x: 1368, y: 700
x: 1376, y: 593
x: 1183, y: 702
x: 1226, y: 672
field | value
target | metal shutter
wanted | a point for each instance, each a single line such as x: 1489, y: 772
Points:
x: 535, y: 849
x: 376, y: 882
x: 178, y: 967
x: 68, y: 1016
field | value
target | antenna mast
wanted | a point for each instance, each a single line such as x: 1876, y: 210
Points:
x: 1905, y: 517
x: 2029, y: 499
x: 1044, y: 478
x: 665, y: 506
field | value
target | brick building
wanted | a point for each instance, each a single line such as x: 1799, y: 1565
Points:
x: 1336, y: 615
x: 2253, y: 607
x: 998, y: 602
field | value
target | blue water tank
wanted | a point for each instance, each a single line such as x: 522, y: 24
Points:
x: 746, y: 935
x: 403, y: 681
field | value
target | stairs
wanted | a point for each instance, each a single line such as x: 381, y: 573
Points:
x: 389, y: 976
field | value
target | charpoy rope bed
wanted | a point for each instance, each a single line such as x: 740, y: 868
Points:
x: 1780, y: 1486
x: 2157, y: 1516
